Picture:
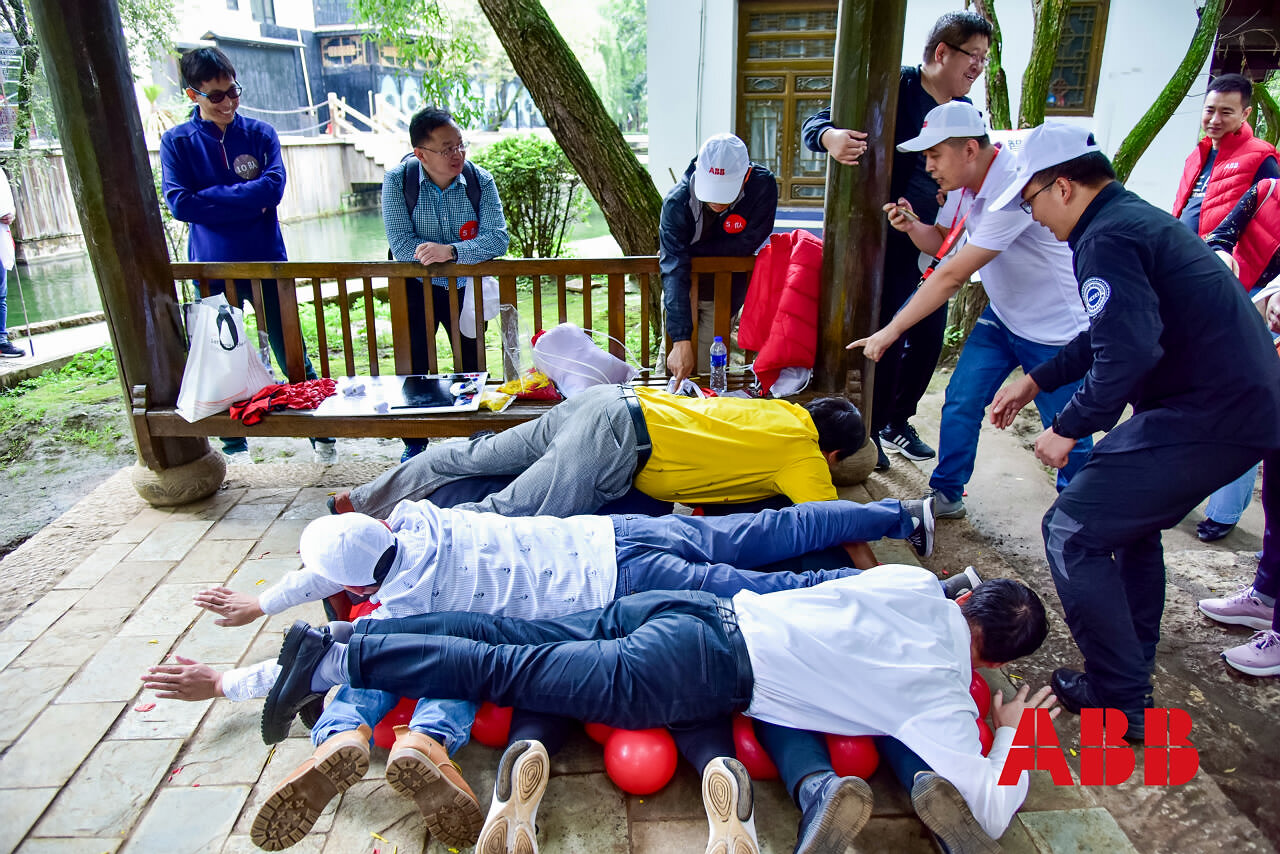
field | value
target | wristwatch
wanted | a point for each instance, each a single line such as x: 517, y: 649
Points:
x: 453, y: 249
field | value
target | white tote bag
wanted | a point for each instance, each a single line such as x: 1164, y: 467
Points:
x: 467, y: 310
x: 221, y: 366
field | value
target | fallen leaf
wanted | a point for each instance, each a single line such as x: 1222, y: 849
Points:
x: 144, y: 707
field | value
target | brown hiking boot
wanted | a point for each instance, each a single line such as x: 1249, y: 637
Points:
x: 418, y: 767
x: 292, y: 809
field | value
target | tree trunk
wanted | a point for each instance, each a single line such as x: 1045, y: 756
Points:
x: 15, y: 15
x: 1050, y: 16
x: 1174, y: 91
x: 578, y: 120
x: 966, y: 307
x: 997, y: 85
x: 1269, y: 110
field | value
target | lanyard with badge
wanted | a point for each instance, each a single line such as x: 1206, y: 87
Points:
x: 957, y: 226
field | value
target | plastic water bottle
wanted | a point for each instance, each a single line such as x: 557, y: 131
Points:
x: 719, y: 366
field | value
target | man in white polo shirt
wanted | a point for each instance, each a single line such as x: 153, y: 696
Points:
x: 1035, y: 305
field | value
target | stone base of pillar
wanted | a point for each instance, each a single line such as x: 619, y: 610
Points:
x: 197, y: 479
x: 855, y: 468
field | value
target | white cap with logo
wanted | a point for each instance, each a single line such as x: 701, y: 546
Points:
x: 951, y: 120
x: 1048, y: 145
x: 722, y: 164
x: 346, y: 548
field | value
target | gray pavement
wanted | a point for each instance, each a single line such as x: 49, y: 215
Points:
x: 49, y: 349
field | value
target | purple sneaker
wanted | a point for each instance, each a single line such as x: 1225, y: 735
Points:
x: 1242, y: 608
x: 1259, y: 657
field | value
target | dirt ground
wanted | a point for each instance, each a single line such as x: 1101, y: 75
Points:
x: 1234, y: 715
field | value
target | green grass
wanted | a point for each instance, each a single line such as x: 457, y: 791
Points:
x: 43, y: 406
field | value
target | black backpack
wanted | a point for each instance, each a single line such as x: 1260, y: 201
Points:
x: 410, y: 186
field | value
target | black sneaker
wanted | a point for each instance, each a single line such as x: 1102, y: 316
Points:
x: 8, y: 351
x: 961, y: 583
x: 882, y: 459
x: 906, y: 441
x: 921, y: 538
x: 1075, y: 693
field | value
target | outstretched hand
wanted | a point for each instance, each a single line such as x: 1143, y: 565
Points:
x: 1009, y: 400
x: 1008, y: 713
x: 875, y: 345
x: 232, y: 608
x: 187, y: 680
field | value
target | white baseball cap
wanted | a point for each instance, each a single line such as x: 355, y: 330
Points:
x: 1048, y: 145
x: 346, y: 548
x: 947, y: 121
x: 722, y: 164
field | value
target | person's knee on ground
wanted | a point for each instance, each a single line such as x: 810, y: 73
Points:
x: 293, y: 807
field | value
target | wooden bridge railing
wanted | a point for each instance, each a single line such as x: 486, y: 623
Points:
x: 546, y: 292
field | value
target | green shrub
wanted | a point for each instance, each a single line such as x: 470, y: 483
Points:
x: 541, y: 193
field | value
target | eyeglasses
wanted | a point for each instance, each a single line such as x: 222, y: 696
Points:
x: 460, y: 148
x: 973, y: 57
x: 1026, y: 204
x: 217, y: 97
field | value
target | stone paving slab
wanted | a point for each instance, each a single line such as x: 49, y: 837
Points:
x: 187, y: 820
x: 70, y: 846
x: 55, y: 745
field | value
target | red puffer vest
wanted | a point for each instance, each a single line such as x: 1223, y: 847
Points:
x: 780, y: 317
x: 1239, y: 156
x: 1260, y: 240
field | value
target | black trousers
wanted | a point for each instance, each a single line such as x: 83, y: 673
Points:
x: 419, y: 336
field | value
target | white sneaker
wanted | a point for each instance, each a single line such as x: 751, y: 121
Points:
x: 239, y: 458
x: 728, y: 800
x: 325, y: 453
x: 511, y: 826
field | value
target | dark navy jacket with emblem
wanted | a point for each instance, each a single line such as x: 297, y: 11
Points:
x: 689, y: 229
x: 226, y: 187
x: 1170, y: 332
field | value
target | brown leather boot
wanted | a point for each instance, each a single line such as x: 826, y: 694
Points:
x: 418, y: 767
x: 291, y: 810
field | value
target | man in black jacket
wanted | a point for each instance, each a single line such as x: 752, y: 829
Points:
x: 1172, y: 334
x: 724, y: 205
x: 954, y: 57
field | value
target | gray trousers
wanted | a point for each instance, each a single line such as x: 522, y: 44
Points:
x: 576, y: 458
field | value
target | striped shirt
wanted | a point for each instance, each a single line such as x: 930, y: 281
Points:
x: 443, y: 216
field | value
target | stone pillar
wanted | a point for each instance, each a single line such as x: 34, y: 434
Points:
x: 864, y: 97
x: 101, y: 130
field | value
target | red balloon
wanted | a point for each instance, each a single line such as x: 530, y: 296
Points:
x: 981, y: 693
x: 599, y: 733
x: 750, y: 753
x: 384, y: 733
x: 492, y: 725
x: 853, y: 755
x: 640, y: 761
x: 986, y: 736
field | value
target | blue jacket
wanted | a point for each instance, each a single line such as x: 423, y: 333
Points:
x: 226, y: 187
x: 1171, y: 333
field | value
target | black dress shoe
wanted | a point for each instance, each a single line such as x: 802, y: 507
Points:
x: 1075, y: 693
x: 1210, y: 531
x: 302, y: 650
x: 310, y: 713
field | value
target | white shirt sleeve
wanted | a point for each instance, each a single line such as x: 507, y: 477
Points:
x: 247, y: 683
x: 297, y: 587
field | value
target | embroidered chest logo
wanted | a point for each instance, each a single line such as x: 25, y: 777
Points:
x: 1094, y: 293
x: 734, y: 224
x: 1231, y: 167
x: 469, y: 230
x: 246, y: 167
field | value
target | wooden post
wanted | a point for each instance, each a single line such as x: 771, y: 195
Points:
x: 111, y: 181
x: 864, y: 97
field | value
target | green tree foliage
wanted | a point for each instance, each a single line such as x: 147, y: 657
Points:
x: 1050, y: 17
x: 427, y: 39
x: 997, y: 84
x: 623, y: 45
x: 541, y: 194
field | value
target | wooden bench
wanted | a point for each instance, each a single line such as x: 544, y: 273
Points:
x: 548, y: 288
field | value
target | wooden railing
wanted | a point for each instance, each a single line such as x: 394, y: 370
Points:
x: 548, y: 291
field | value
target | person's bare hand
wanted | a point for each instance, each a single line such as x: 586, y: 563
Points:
x: 232, y: 608
x: 1009, y: 401
x: 1052, y: 449
x: 874, y: 347
x: 7, y: 219
x: 1228, y: 259
x: 433, y: 253
x: 846, y: 146
x: 681, y: 361
x: 187, y: 680
x: 1009, y: 713
x: 901, y: 215
x: 1273, y: 314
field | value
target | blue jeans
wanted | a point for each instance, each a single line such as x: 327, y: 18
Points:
x: 717, y: 554
x: 1227, y: 504
x: 447, y: 721
x: 672, y: 659
x: 799, y: 753
x: 989, y: 355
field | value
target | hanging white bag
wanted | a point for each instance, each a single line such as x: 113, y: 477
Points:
x: 574, y: 362
x: 221, y: 366
x: 467, y: 311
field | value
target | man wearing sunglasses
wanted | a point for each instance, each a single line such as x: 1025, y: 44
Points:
x: 224, y: 177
